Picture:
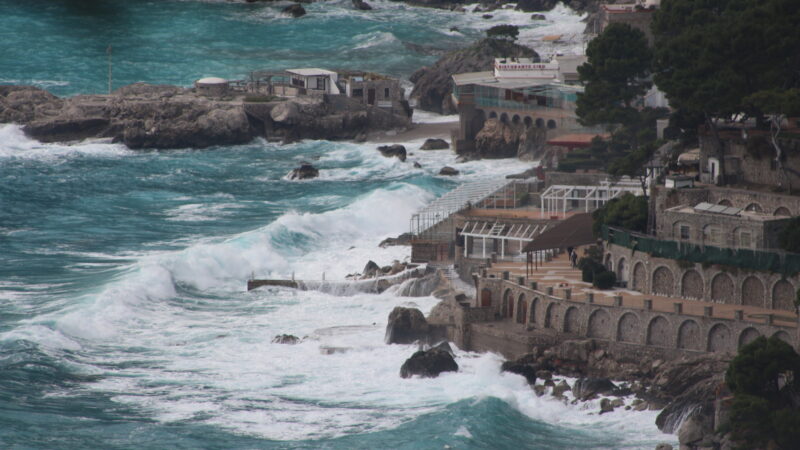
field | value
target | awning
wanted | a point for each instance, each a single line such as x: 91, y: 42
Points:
x: 571, y: 232
x: 499, y: 230
x: 690, y: 158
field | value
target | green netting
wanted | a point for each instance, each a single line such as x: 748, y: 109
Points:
x: 780, y: 262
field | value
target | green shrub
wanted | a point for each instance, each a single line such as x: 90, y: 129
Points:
x: 604, y: 280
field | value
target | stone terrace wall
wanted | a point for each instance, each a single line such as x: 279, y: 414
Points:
x: 714, y: 283
x: 547, y: 318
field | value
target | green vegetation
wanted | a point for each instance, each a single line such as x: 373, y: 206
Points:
x: 763, y: 378
x: 509, y: 32
x: 628, y: 212
x: 593, y: 271
x: 261, y: 98
x: 789, y: 238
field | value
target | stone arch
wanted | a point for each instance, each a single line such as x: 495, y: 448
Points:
x: 551, y: 124
x: 516, y: 119
x: 486, y: 298
x: 504, y: 118
x: 639, y: 277
x: 522, y: 309
x: 527, y: 121
x: 692, y: 285
x: 493, y: 114
x: 753, y: 292
x: 622, y: 270
x: 540, y: 123
x: 725, y: 202
x: 663, y: 281
x: 784, y: 336
x: 719, y: 337
x: 658, y: 332
x: 722, y: 289
x: 753, y: 207
x: 676, y: 230
x: 782, y: 211
x: 747, y: 336
x: 628, y: 328
x: 508, y: 303
x: 571, y: 322
x: 599, y: 325
x: 689, y: 336
x: 783, y: 295
x: 550, y: 315
x: 534, y: 305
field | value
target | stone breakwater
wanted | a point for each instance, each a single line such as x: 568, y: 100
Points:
x: 160, y: 116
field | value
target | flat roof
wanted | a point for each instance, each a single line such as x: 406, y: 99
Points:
x: 473, y: 77
x: 309, y: 72
x: 725, y: 211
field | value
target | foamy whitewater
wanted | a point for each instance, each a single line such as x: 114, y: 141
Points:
x: 124, y: 319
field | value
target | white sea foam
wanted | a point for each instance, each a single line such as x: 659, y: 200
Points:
x: 17, y: 146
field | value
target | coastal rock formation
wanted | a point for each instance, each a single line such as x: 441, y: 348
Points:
x: 448, y: 171
x: 304, y: 172
x: 295, y: 10
x: 589, y: 388
x: 435, y: 144
x: 403, y: 239
x: 526, y: 370
x: 371, y: 269
x: 429, y: 363
x: 285, y: 339
x: 23, y: 104
x: 393, y: 151
x: 361, y: 5
x: 503, y: 140
x: 432, y: 85
x: 406, y: 326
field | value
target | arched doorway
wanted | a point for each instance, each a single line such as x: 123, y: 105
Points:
x: 486, y: 298
x: 522, y: 309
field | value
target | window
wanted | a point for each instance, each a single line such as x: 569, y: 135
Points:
x: 385, y: 92
x: 321, y: 83
x: 745, y: 239
x: 358, y: 92
x: 685, y: 232
x: 712, y: 235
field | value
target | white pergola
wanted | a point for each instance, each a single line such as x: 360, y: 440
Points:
x: 555, y: 198
x: 521, y: 233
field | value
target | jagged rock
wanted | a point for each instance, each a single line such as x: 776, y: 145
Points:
x: 560, y: 389
x: 539, y: 390
x: 417, y: 165
x: 361, y: 5
x: 605, y: 406
x: 588, y: 388
x: 527, y: 371
x: 23, y: 104
x: 428, y: 364
x: 448, y: 171
x: 304, y: 172
x: 487, y: 16
x: 663, y: 446
x: 695, y: 428
x: 435, y: 144
x: 406, y: 326
x: 538, y: 17
x: 432, y: 85
x: 403, y: 239
x: 55, y: 130
x: 285, y: 339
x: 445, y: 347
x: 507, y: 140
x: 371, y: 269
x: 536, y: 5
x: 576, y: 350
x: 617, y: 402
x: 295, y: 10
x: 395, y: 150
x: 544, y: 374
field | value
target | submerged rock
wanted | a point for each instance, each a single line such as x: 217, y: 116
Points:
x: 395, y: 150
x: 403, y: 239
x: 435, y: 144
x: 285, y: 339
x: 526, y: 370
x: 428, y: 364
x: 406, y: 326
x: 588, y: 388
x: 361, y: 5
x: 295, y: 10
x: 304, y: 172
x: 448, y: 171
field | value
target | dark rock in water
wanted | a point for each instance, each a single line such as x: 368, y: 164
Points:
x: 406, y: 326
x: 560, y: 389
x: 663, y: 446
x: 362, y: 5
x: 435, y: 144
x: 487, y: 16
x: 285, y: 339
x: 588, y: 388
x: 403, y: 239
x: 304, y: 172
x: 23, y: 104
x: 538, y: 17
x: 606, y: 406
x: 66, y: 129
x: 395, y: 150
x: 428, y: 364
x: 417, y: 165
x: 448, y: 171
x: 295, y: 10
x: 527, y: 371
x: 536, y: 5
x: 433, y: 85
x: 370, y: 269
x: 454, y: 29
x: 445, y: 347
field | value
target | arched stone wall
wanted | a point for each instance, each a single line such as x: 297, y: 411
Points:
x: 571, y: 321
x: 658, y: 332
x: 718, y: 338
x: 753, y: 207
x: 534, y: 305
x: 784, y: 336
x: 782, y: 211
x: 692, y: 285
x: 722, y: 289
x: 550, y: 315
x: 492, y: 115
x: 508, y: 304
x: 629, y: 328
x: 609, y: 264
x: 663, y: 281
x: 486, y: 298
x: 599, y: 324
x: 747, y: 336
x: 753, y: 292
x: 551, y: 124
x: 783, y: 295
x: 528, y: 122
x: 689, y: 336
x: 522, y: 309
x: 639, y: 277
x: 622, y: 267
x: 725, y: 202
x: 504, y: 117
x: 540, y: 123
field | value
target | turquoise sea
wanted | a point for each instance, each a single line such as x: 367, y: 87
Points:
x: 124, y: 321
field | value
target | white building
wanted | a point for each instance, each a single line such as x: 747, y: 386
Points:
x: 314, y: 81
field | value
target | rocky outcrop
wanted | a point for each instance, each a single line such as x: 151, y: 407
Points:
x: 24, y: 104
x: 406, y: 326
x: 361, y: 5
x: 403, y: 239
x: 432, y: 85
x: 498, y: 139
x: 295, y: 10
x: 523, y: 368
x: 285, y: 339
x: 589, y: 388
x: 304, y: 172
x: 393, y: 151
x: 435, y: 144
x: 429, y: 363
x: 448, y: 171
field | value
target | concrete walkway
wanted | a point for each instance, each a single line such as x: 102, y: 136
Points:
x: 559, y: 274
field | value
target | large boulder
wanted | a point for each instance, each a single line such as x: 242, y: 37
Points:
x: 432, y: 85
x: 435, y: 144
x: 395, y: 150
x: 23, y: 104
x: 304, y: 172
x: 526, y: 370
x: 285, y: 339
x: 536, y: 5
x: 59, y: 130
x: 448, y: 171
x: 589, y: 388
x: 361, y: 5
x: 428, y: 363
x: 295, y: 10
x: 406, y: 326
x: 371, y: 269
